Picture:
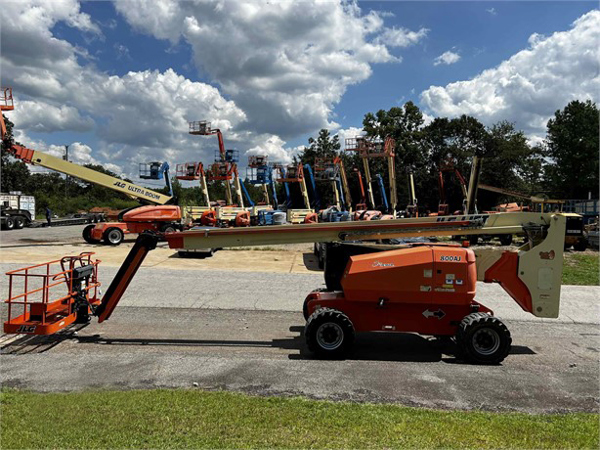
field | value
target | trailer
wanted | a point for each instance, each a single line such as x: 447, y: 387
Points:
x: 16, y: 210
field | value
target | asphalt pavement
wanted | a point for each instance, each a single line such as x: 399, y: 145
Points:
x: 552, y: 368
x: 193, y: 326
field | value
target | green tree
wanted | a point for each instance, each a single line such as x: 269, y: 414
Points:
x: 572, y: 148
x: 324, y: 146
x: 14, y: 173
x: 405, y: 125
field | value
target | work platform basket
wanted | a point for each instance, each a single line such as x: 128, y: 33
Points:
x: 45, y: 298
x: 6, y: 99
x: 188, y: 171
x: 151, y: 171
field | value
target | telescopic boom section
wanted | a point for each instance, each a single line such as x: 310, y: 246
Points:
x: 117, y: 184
x: 144, y: 243
x: 50, y: 162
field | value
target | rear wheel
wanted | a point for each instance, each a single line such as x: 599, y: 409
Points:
x: 113, y: 236
x: 483, y: 339
x: 87, y: 234
x: 473, y: 239
x: 581, y: 245
x: 329, y: 333
x: 19, y: 222
x: 9, y: 224
x: 168, y: 228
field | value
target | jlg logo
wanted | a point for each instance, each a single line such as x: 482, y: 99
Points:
x: 26, y: 329
x: 450, y: 258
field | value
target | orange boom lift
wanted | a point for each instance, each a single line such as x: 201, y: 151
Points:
x: 422, y: 288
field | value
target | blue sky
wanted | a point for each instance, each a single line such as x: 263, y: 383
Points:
x: 128, y: 76
x: 482, y: 38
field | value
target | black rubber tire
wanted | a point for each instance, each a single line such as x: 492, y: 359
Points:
x: 581, y: 245
x: 87, y: 234
x: 505, y: 239
x: 19, y: 222
x: 305, y: 308
x: 113, y: 236
x: 329, y: 333
x: 168, y: 228
x: 9, y: 224
x: 482, y: 339
x: 473, y: 239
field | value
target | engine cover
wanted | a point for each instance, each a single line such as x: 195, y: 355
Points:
x: 166, y: 213
x: 428, y: 274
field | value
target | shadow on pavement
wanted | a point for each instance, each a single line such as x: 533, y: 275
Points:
x: 393, y: 347
x: 367, y: 346
x: 311, y: 262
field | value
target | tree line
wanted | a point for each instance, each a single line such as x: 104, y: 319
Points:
x: 564, y: 165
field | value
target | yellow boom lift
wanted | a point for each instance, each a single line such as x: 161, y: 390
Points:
x: 163, y: 217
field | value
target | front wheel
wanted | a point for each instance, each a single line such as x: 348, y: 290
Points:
x: 329, y: 333
x: 87, y: 234
x: 113, y: 236
x: 483, y: 339
x: 9, y: 224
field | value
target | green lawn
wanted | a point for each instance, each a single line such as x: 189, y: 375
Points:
x: 193, y: 418
x: 581, y: 269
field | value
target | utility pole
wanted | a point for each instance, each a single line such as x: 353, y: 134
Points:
x: 66, y: 158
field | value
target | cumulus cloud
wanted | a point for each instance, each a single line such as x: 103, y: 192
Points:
x: 43, y: 117
x: 274, y: 148
x: 139, y: 116
x: 79, y: 153
x: 446, y: 58
x: 282, y: 66
x: 532, y: 84
x: 402, y: 37
x: 286, y: 64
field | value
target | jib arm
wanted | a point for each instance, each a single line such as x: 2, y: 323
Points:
x: 143, y: 244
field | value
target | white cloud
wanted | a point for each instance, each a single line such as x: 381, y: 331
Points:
x: 492, y: 11
x: 43, y: 117
x: 139, y: 116
x: 532, y: 84
x: 350, y: 132
x: 274, y: 148
x: 446, y: 58
x: 286, y: 64
x: 283, y: 67
x: 402, y: 37
x: 79, y: 153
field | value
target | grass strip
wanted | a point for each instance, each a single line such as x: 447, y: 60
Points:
x: 194, y: 419
x: 581, y: 269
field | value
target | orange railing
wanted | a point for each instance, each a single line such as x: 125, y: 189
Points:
x: 47, y: 294
x: 6, y: 99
